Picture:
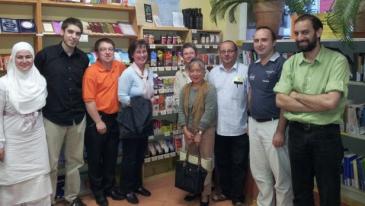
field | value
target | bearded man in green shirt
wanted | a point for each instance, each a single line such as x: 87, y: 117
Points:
x: 312, y: 90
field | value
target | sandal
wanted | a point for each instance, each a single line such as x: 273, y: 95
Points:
x: 219, y: 197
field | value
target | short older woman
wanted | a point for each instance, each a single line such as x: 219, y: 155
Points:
x: 135, y: 90
x: 197, y: 117
x: 24, y: 164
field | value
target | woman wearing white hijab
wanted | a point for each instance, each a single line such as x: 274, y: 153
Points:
x: 24, y: 164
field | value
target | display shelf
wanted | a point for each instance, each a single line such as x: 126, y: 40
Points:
x: 356, y: 83
x: 45, y: 10
x: 165, y: 28
x: 17, y: 34
x: 168, y: 46
x: 160, y: 157
x: 98, y: 35
x: 88, y: 6
x: 288, y: 45
x: 18, y: 1
x: 352, y: 194
x: 360, y: 137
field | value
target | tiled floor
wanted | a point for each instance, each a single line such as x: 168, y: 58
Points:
x: 163, y: 194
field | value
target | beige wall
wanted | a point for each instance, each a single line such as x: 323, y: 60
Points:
x: 230, y: 31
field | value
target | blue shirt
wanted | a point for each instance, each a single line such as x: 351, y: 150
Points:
x: 231, y: 86
x: 131, y: 85
x: 262, y: 79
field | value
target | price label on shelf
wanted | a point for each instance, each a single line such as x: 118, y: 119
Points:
x: 161, y: 69
x: 154, y: 158
x: 173, y: 154
x: 161, y: 91
x: 206, y: 46
x: 166, y: 155
x: 174, y: 68
x: 199, y: 46
x: 215, y: 46
x: 163, y: 112
x: 147, y: 160
x: 169, y: 46
x: 152, y: 46
x: 182, y: 67
x: 168, y: 68
x: 159, y: 157
x: 194, y: 31
x: 154, y: 69
x: 84, y: 38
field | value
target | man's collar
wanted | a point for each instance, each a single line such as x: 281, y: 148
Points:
x: 273, y: 58
x: 61, y: 50
x: 234, y: 67
x: 319, y: 57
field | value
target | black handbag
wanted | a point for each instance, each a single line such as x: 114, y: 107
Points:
x: 190, y: 177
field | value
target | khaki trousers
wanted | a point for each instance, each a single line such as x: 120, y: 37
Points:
x: 72, y: 139
x: 269, y: 165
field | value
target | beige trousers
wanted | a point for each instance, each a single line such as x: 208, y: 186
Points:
x: 46, y: 201
x: 72, y: 139
x: 206, y: 148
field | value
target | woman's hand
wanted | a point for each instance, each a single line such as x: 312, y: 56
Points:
x: 189, y: 137
x: 2, y: 154
x: 197, y: 138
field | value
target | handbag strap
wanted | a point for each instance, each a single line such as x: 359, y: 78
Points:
x: 188, y: 153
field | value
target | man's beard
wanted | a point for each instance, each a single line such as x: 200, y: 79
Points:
x: 309, y: 47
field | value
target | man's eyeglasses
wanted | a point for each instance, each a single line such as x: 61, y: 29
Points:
x: 229, y: 51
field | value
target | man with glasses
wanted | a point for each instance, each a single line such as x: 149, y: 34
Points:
x: 99, y: 91
x: 231, y: 141
x: 63, y: 66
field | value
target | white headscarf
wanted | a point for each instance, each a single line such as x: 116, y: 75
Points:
x: 27, y: 89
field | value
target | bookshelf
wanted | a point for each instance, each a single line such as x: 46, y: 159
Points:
x: 354, y: 142
x: 45, y: 10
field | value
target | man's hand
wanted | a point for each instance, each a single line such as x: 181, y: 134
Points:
x: 2, y: 154
x: 294, y: 94
x: 278, y: 139
x: 101, y: 127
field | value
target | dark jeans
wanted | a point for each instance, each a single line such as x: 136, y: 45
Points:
x: 231, y: 156
x: 315, y: 151
x: 133, y: 157
x: 102, y: 151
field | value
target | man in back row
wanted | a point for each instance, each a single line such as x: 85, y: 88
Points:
x: 313, y: 90
x: 63, y: 66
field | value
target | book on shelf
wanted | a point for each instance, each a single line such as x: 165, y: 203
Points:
x: 353, y: 171
x: 57, y: 26
x: 86, y: 27
x: 127, y: 29
x: 9, y: 25
x: 26, y: 26
x: 116, y: 28
x: 355, y: 119
x: 47, y: 27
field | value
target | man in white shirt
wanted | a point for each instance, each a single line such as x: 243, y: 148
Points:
x: 231, y: 142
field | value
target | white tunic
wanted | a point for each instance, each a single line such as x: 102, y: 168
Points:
x: 24, y: 171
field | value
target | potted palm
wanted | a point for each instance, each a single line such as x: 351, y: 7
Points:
x: 267, y: 12
x: 347, y: 18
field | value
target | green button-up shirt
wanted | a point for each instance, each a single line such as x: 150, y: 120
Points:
x: 329, y: 72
